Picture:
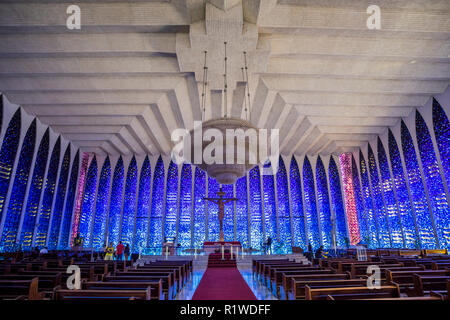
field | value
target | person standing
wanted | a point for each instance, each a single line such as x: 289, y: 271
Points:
x: 109, y: 251
x: 119, y: 251
x: 126, y: 252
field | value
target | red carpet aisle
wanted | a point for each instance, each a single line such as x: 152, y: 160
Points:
x: 222, y: 281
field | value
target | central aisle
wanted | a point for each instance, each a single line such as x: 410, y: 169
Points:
x: 222, y: 281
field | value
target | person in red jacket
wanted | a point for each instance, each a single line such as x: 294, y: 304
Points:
x: 119, y: 251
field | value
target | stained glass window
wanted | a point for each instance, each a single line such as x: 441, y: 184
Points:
x: 8, y: 155
x: 228, y: 219
x: 312, y: 224
x: 256, y: 223
x: 156, y: 215
x: 360, y: 210
x: 372, y: 223
x: 435, y: 186
x: 404, y: 205
x: 101, y: 206
x: 389, y: 199
x: 87, y: 207
x: 129, y: 204
x: 47, y: 199
x: 170, y: 218
x: 67, y: 219
x: 199, y: 231
x: 383, y: 227
x: 418, y: 195
x: 284, y: 213
x: 337, y: 204
x: 11, y: 224
x: 298, y: 218
x: 185, y: 207
x: 323, y: 205
x: 115, y: 203
x: 242, y: 212
x: 442, y: 132
x: 59, y: 201
x: 270, y: 209
x: 213, y: 211
x: 143, y: 207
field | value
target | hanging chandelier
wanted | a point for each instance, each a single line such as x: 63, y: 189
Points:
x: 236, y: 140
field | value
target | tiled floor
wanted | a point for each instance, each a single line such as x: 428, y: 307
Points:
x: 260, y: 290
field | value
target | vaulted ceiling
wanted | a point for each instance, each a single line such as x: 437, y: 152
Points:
x: 134, y: 71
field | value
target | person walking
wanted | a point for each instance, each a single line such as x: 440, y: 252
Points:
x: 126, y: 252
x: 109, y: 251
x: 119, y: 251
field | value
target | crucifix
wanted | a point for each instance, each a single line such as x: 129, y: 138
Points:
x: 221, y: 201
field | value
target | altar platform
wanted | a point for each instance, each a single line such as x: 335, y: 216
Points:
x: 212, y: 246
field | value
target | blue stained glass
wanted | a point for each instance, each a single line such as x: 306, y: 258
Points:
x: 372, y: 223
x: 157, y: 210
x: 47, y: 199
x: 59, y: 201
x: 185, y: 208
x: 270, y: 209
x: 418, y: 195
x: 389, y: 198
x: 404, y: 204
x: 115, y: 203
x: 256, y: 223
x: 199, y: 230
x: 101, y: 206
x: 129, y: 204
x: 228, y: 218
x: 337, y: 204
x: 11, y: 224
x: 213, y: 211
x: 284, y: 213
x: 360, y: 210
x: 435, y: 186
x: 242, y: 212
x: 87, y: 206
x: 312, y: 224
x: 170, y: 219
x: 383, y: 227
x: 442, y: 132
x: 298, y: 218
x: 8, y: 155
x: 67, y: 220
x: 323, y: 205
x: 143, y: 207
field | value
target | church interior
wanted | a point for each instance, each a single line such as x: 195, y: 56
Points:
x: 118, y: 182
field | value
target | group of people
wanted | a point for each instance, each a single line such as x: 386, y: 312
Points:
x: 120, y: 251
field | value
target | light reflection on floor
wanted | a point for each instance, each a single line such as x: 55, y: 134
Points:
x: 259, y: 289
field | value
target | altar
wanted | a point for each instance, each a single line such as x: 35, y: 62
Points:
x: 212, y: 246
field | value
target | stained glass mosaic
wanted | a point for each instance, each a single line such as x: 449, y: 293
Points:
x: 312, y: 223
x: 242, y: 222
x: 157, y: 208
x: 170, y: 211
x: 390, y: 201
x: 115, y: 203
x: 143, y: 207
x: 101, y: 206
x: 185, y: 207
x: 256, y: 222
x: 284, y: 213
x: 337, y: 205
x: 47, y: 198
x: 323, y: 205
x: 199, y: 231
x: 129, y: 204
x: 298, y: 218
x: 434, y: 183
x: 13, y: 214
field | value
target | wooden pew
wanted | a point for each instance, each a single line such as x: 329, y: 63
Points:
x: 299, y: 287
x: 22, y: 289
x: 166, y: 279
x: 256, y: 263
x: 276, y: 273
x: 425, y: 284
x: 154, y: 272
x: 405, y: 279
x: 46, y: 283
x: 103, y: 294
x: 351, y: 293
x: 289, y: 280
x: 154, y: 285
